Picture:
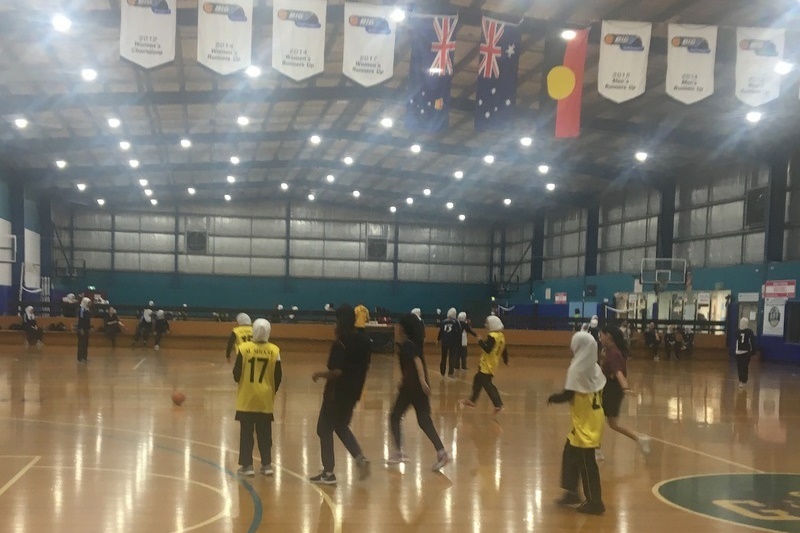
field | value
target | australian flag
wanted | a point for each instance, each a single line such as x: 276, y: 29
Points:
x: 496, y: 94
x: 433, y: 45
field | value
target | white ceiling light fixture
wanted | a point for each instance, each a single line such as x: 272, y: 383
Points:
x: 783, y: 67
x: 143, y: 182
x: 458, y: 174
x: 392, y: 209
x: 315, y: 139
x: 61, y: 22
x: 101, y: 202
x: 81, y: 186
x: 347, y: 160
x: 124, y: 146
x: 148, y: 192
x: 114, y: 122
x: 243, y: 120
x: 550, y: 186
x: 284, y: 186
x: 543, y: 169
x: 426, y: 192
x: 234, y: 160
x: 410, y: 201
x: 488, y: 159
x: 449, y: 205
x: 231, y: 179
x: 192, y: 191
x: 507, y: 201
x: 398, y: 15
x: 568, y: 35
x: 88, y: 74
x: 641, y: 156
x: 415, y: 148
x: 311, y: 197
x: 526, y: 141
x: 462, y: 217
x: 153, y: 201
x: 134, y: 163
x: 753, y: 116
x: 356, y: 194
x: 387, y: 122
x: 186, y: 143
x: 61, y: 164
x: 330, y: 178
x: 253, y: 71
x: 227, y: 197
x: 21, y: 123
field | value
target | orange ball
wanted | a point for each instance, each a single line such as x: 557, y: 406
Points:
x: 178, y: 398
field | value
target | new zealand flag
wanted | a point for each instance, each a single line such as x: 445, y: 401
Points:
x: 433, y: 45
x: 496, y: 94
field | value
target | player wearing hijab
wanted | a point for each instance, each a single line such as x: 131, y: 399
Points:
x: 745, y: 349
x: 583, y: 391
x: 450, y: 338
x: 112, y: 326
x: 82, y: 329
x: 594, y: 328
x: 494, y: 347
x: 465, y: 328
x: 144, y: 328
x: 33, y: 333
x: 258, y: 372
x: 418, y: 336
x: 243, y: 332
x: 161, y: 327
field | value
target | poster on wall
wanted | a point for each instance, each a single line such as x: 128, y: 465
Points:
x: 624, y: 49
x: 369, y: 38
x: 298, y: 37
x: 225, y: 35
x: 774, y: 313
x: 147, y: 32
x: 691, y: 56
x: 561, y: 298
x: 758, y: 53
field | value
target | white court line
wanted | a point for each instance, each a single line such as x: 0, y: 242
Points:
x: 33, y: 461
x: 140, y: 363
x: 707, y: 455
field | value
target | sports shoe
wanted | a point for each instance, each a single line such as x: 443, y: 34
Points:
x: 569, y: 498
x: 598, y: 455
x: 363, y: 467
x: 656, y: 359
x: 39, y: 344
x: 498, y: 410
x: 467, y: 403
x: 266, y: 470
x: 397, y: 458
x: 324, y: 478
x: 592, y: 508
x: 156, y: 347
x: 246, y: 471
x: 441, y: 459
x: 644, y: 443
x: 742, y: 384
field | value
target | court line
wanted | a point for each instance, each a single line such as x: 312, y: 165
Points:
x: 707, y: 455
x: 220, y: 515
x: 337, y: 522
x: 140, y: 363
x: 21, y: 473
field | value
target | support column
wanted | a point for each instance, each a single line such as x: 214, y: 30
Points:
x: 287, y: 236
x: 775, y: 223
x: 46, y: 234
x: 592, y: 234
x: 491, y: 259
x: 396, y: 254
x: 503, y: 254
x: 537, y: 250
x: 16, y: 191
x: 666, y: 221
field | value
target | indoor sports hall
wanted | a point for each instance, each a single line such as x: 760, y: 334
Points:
x: 591, y: 209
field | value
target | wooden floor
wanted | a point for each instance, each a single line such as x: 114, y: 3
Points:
x: 101, y: 448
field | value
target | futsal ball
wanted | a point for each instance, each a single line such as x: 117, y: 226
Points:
x: 178, y: 398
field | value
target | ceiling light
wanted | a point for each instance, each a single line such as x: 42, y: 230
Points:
x: 386, y: 122
x: 641, y: 156
x: 462, y: 218
x: 253, y: 71
x: 243, y: 121
x: 61, y: 163
x: 526, y: 141
x: 143, y: 182
x: 153, y: 201
x: 409, y: 200
x: 568, y: 35
x: 124, y: 146
x: 284, y: 186
x: 347, y: 160
x: 234, y: 160
x: 231, y: 179
x: 191, y: 190
x: 449, y: 205
x: 148, y: 192
x: 61, y: 22
x: 100, y: 201
x: 81, y: 186
x: 89, y: 74
x: 398, y: 15
x: 488, y: 159
x: 416, y: 148
x: 311, y: 197
x: 331, y: 178
x: 315, y: 139
x: 753, y: 116
x: 114, y: 122
x: 783, y: 67
x: 426, y: 192
x: 550, y: 186
x: 356, y: 194
x: 21, y: 123
x: 458, y: 174
x: 186, y: 143
x: 544, y: 169
x: 227, y: 197
x: 507, y: 201
x: 134, y: 163
x: 392, y: 209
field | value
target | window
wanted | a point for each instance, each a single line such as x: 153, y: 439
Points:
x: 755, y: 210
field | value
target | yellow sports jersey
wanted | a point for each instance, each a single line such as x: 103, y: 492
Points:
x: 490, y: 361
x: 243, y: 334
x: 257, y: 383
x: 586, y: 411
x: 362, y: 316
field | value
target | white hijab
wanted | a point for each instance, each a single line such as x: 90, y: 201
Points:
x: 147, y: 315
x: 584, y: 374
x: 261, y: 330
x: 85, y: 303
x: 29, y: 312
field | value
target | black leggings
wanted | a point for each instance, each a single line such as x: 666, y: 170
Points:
x: 484, y: 381
x: 142, y: 332
x: 34, y: 335
x: 262, y: 424
x: 83, y: 344
x: 743, y: 365
x: 450, y: 354
x: 335, y: 417
x: 422, y: 406
x: 581, y: 463
x: 463, y: 358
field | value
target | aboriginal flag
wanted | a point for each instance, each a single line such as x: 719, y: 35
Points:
x: 563, y: 83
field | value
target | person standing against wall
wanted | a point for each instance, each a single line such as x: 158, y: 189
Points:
x: 450, y: 339
x: 362, y: 317
x: 745, y: 349
x: 33, y: 333
x: 112, y: 326
x: 652, y: 340
x: 82, y: 329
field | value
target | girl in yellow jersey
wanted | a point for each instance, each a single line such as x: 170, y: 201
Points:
x: 258, y: 373
x: 493, y: 348
x: 243, y: 332
x: 584, y: 392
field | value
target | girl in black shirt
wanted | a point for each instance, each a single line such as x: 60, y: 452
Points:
x: 745, y: 349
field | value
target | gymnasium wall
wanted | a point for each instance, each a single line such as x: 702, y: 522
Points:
x: 628, y: 229
x: 564, y: 243
x: 791, y: 241
x: 5, y: 229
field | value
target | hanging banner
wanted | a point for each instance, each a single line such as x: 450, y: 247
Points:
x: 298, y: 37
x: 624, y: 49
x: 498, y: 64
x: 369, y: 37
x: 564, y: 62
x: 691, y: 56
x: 759, y: 50
x: 225, y: 35
x: 147, y: 31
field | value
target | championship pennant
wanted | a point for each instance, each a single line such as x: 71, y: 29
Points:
x: 759, y: 50
x: 147, y: 31
x: 691, y: 56
x: 624, y: 49
x: 298, y: 37
x: 224, y: 35
x: 369, y: 39
x: 433, y: 46
x: 498, y: 64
